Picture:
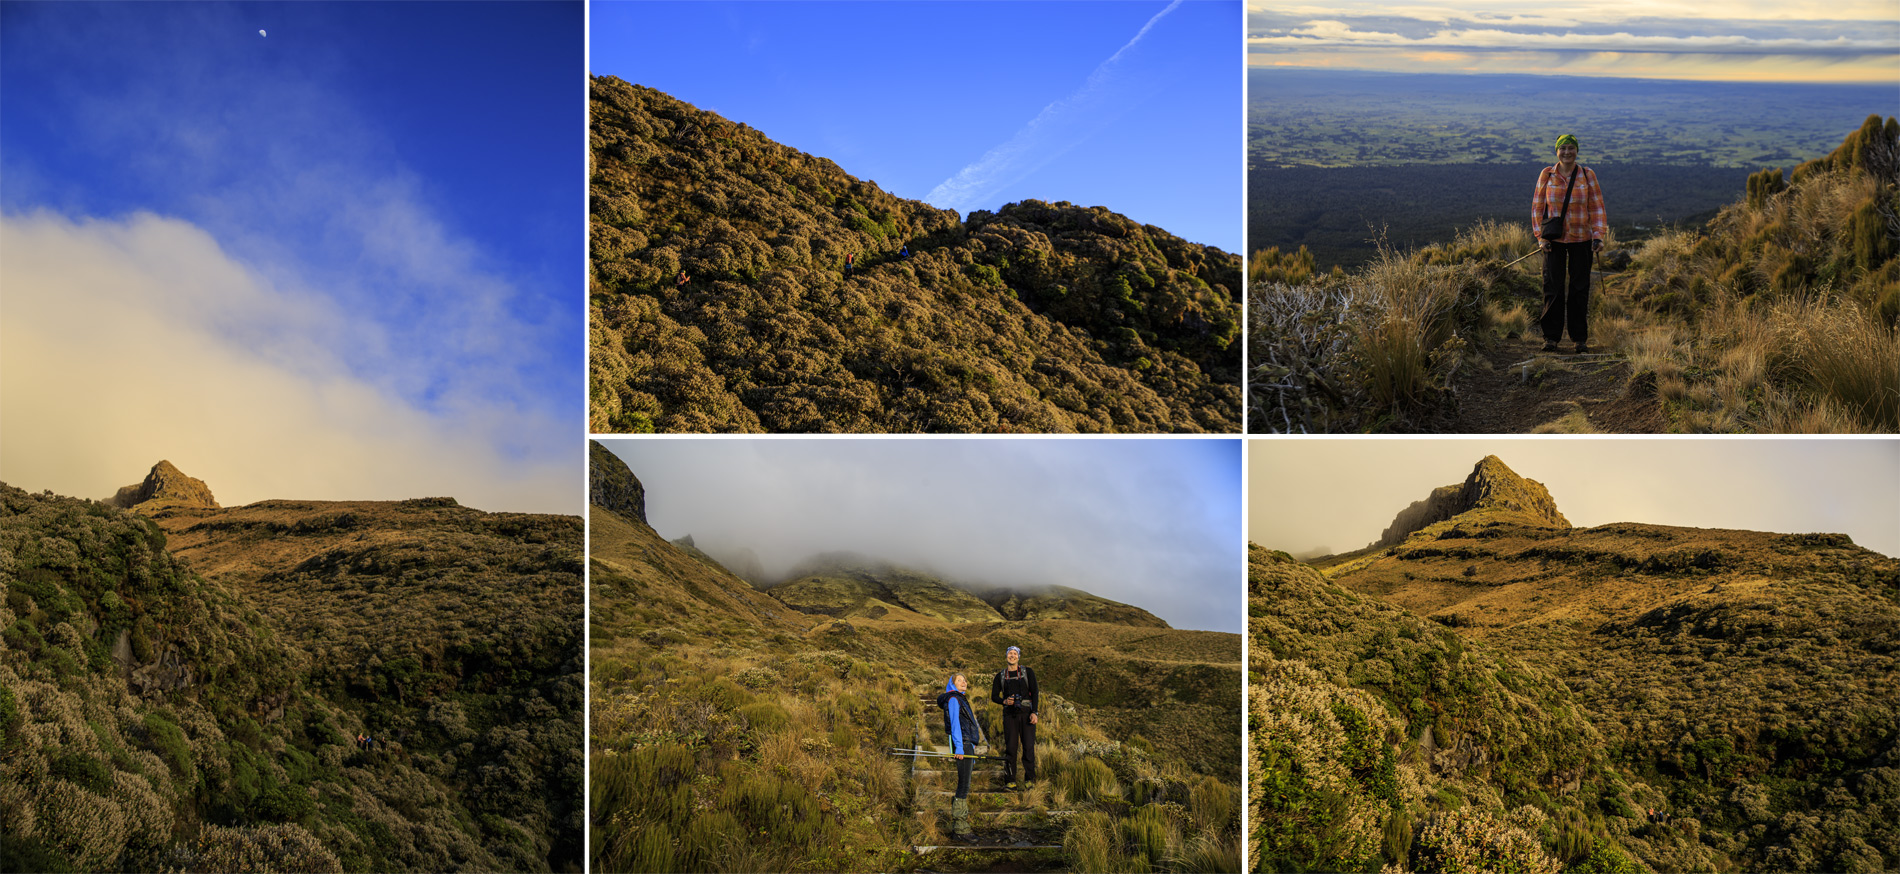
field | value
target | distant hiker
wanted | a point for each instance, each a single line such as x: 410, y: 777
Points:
x: 904, y: 252
x: 1569, y: 221
x: 1014, y: 687
x: 682, y: 280
x: 847, y: 261
x: 959, y: 722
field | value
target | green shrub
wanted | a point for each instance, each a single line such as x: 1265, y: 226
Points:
x: 84, y: 771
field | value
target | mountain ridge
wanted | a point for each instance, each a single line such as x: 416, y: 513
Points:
x: 1035, y: 317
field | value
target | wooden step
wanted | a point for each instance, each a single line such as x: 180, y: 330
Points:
x: 1007, y: 848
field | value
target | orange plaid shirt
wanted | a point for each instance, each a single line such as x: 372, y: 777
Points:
x: 1586, y: 220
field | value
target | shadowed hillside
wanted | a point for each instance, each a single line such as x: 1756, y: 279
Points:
x: 1039, y: 317
x: 1743, y: 683
x: 185, y: 685
x: 733, y: 732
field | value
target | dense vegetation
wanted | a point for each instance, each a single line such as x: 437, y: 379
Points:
x: 164, y: 712
x: 734, y: 733
x: 1038, y: 317
x: 1780, y: 317
x: 1743, y: 684
x: 1382, y: 738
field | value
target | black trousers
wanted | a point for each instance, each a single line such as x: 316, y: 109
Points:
x: 963, y: 776
x: 1018, y: 729
x: 1566, y: 306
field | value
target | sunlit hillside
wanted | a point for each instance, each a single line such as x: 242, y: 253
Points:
x: 185, y: 685
x: 1679, y: 698
x: 740, y: 285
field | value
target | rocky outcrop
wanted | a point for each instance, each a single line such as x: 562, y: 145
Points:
x: 1062, y: 602
x: 165, y: 484
x: 1492, y: 489
x: 612, y: 486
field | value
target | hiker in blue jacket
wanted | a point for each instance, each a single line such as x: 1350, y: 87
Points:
x: 959, y: 722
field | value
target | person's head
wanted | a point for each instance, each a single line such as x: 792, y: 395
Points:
x: 1567, y: 148
x: 962, y: 683
x: 1013, y: 655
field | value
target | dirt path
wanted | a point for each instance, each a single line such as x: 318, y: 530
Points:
x: 1519, y: 389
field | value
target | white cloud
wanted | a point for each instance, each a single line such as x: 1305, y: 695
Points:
x: 125, y: 342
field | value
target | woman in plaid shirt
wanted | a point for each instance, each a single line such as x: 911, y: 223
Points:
x: 1568, y: 255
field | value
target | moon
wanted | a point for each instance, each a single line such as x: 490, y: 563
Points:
x: 260, y: 33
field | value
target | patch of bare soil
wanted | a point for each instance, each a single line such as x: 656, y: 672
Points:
x: 1514, y: 388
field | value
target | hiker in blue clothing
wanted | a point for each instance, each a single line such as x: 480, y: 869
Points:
x: 959, y: 722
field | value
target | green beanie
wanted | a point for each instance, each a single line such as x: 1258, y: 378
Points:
x: 1567, y: 140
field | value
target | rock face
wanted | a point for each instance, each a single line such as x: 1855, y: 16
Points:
x: 166, y: 484
x: 1493, y: 489
x: 612, y: 486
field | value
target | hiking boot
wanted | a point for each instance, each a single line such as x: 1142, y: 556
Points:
x: 1550, y: 345
x: 1029, y: 784
x: 1582, y: 349
x: 960, y: 817
x: 1011, y: 785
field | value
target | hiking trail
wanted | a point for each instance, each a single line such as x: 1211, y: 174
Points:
x: 1516, y: 388
x: 1014, y: 831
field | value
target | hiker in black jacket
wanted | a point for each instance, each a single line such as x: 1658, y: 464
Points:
x: 1014, y: 687
x: 965, y: 733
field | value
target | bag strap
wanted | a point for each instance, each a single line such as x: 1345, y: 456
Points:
x: 1573, y: 184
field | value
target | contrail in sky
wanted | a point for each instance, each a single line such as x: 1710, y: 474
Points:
x: 1043, y: 139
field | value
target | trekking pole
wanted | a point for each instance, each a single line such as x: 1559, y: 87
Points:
x: 937, y: 755
x: 1526, y: 255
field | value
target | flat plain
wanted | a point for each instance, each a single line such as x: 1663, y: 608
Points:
x: 1461, y: 148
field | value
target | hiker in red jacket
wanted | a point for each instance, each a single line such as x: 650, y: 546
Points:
x: 1569, y: 221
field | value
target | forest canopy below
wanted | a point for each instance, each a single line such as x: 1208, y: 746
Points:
x: 741, y: 285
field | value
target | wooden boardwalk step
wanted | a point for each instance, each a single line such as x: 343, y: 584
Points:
x: 1007, y: 848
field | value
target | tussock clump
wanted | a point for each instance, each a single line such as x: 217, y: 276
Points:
x: 1785, y: 311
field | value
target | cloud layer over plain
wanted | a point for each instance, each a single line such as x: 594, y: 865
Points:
x: 1852, y: 41
x: 127, y: 342
x: 1149, y: 523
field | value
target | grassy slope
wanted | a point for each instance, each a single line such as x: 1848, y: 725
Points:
x: 1742, y: 681
x: 721, y: 712
x: 229, y: 749
x: 1036, y: 318
x: 452, y: 631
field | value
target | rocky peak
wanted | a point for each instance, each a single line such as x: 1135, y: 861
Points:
x: 166, y: 484
x: 612, y: 486
x: 1492, y: 490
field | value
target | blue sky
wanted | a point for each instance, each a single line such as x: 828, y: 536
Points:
x: 339, y: 258
x: 1064, y: 99
x: 1150, y: 522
